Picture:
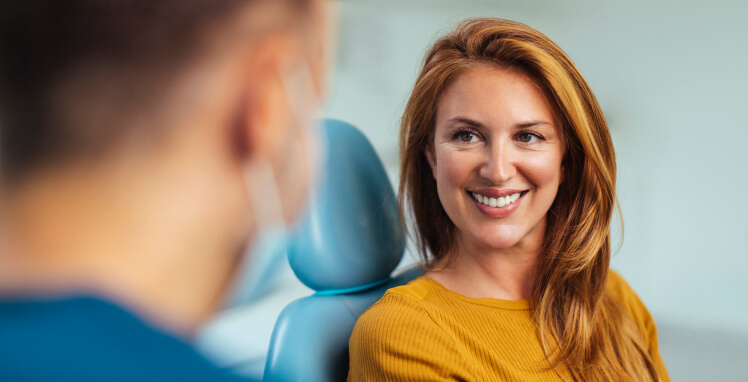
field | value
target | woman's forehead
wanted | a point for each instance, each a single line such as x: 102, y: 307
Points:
x: 493, y: 95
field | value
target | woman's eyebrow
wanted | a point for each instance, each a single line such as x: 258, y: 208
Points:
x: 533, y: 123
x: 466, y: 121
x: 521, y: 125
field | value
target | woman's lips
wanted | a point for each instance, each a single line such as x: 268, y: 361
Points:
x: 497, y: 203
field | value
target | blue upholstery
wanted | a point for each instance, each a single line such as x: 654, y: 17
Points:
x: 346, y: 248
x: 351, y: 234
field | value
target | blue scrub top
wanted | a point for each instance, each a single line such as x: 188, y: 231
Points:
x: 88, y: 339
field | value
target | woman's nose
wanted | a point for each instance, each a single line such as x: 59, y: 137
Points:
x: 498, y: 164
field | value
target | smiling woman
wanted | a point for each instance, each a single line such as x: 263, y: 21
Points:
x: 508, y: 169
x: 496, y: 149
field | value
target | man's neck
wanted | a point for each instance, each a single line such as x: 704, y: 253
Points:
x: 113, y: 235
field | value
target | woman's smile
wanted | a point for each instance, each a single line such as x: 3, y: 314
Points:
x: 497, y: 157
x: 497, y: 203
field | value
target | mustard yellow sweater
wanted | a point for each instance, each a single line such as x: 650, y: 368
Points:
x: 424, y: 332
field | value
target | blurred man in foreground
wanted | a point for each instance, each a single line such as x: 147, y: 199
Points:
x: 144, y: 146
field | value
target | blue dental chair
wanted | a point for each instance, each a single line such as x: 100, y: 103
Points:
x: 345, y: 249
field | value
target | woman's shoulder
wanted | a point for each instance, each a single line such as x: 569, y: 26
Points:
x: 401, y: 302
x: 618, y: 285
x: 416, y: 290
x: 622, y: 291
x: 400, y: 325
x: 625, y: 295
x: 400, y: 308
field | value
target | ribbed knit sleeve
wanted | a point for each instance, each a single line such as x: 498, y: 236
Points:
x: 396, y: 340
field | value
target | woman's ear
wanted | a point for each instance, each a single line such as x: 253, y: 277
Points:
x: 563, y: 174
x: 430, y: 157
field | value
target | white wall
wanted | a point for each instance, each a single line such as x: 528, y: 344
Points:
x: 671, y: 78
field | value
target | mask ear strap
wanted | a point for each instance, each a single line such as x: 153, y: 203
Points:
x: 264, y: 196
x: 267, y: 246
x: 266, y: 249
x: 259, y: 176
x: 298, y: 85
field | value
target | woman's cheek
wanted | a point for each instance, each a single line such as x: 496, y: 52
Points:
x: 452, y: 174
x: 544, y: 172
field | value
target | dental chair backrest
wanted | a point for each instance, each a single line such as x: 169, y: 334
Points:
x: 345, y: 249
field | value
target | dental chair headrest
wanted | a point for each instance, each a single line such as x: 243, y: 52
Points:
x: 350, y: 238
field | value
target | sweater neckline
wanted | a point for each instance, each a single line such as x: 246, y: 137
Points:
x: 523, y: 304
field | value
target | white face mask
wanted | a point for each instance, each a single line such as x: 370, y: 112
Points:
x: 267, y: 250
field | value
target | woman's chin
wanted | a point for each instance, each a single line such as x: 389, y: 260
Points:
x: 511, y: 236
x: 502, y: 242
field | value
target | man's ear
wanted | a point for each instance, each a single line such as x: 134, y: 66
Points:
x: 264, y: 106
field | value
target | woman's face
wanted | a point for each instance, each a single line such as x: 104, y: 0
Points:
x: 496, y: 158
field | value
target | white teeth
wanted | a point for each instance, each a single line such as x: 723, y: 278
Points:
x: 496, y: 202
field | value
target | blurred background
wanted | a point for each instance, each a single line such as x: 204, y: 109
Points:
x: 671, y: 78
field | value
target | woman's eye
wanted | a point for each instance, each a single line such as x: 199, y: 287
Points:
x: 527, y: 137
x: 466, y: 136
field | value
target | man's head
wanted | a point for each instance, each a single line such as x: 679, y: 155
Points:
x: 134, y: 123
x: 80, y: 78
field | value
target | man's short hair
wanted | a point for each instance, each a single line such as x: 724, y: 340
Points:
x: 119, y: 55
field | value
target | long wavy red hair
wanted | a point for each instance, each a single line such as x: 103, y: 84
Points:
x: 580, y: 324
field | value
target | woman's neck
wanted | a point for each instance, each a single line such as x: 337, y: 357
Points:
x: 481, y: 272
